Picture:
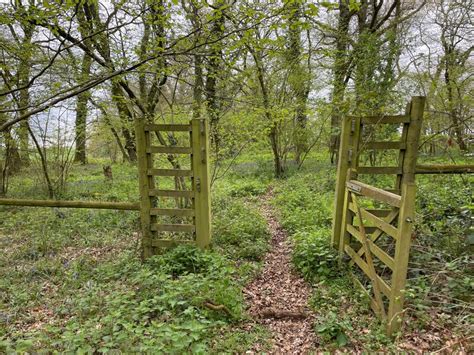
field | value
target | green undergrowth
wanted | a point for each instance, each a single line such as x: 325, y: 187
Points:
x: 71, y: 280
x: 440, y: 278
x: 240, y: 231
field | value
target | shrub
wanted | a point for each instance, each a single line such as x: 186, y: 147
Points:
x: 187, y: 259
x: 312, y: 255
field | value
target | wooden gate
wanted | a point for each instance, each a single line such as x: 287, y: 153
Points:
x: 181, y: 214
x: 372, y: 226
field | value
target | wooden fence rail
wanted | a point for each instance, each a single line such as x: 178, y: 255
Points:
x: 445, y: 169
x: 128, y: 206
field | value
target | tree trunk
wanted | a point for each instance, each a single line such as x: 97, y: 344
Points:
x: 298, y: 79
x: 198, y: 66
x: 24, y: 95
x: 126, y: 119
x: 341, y: 65
x: 277, y: 161
x: 453, y: 113
x: 44, y: 166
x: 106, y: 119
x: 12, y: 155
x: 12, y: 161
x: 81, y: 113
x: 212, y: 68
x: 273, y: 135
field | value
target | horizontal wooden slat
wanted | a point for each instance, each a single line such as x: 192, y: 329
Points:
x: 379, y: 170
x: 379, y: 212
x: 168, y: 127
x: 171, y: 193
x: 374, y: 248
x: 379, y: 223
x: 170, y: 172
x: 388, y: 119
x: 170, y: 150
x: 384, y: 287
x: 167, y: 243
x: 384, y: 145
x: 374, y: 192
x: 369, y: 230
x: 173, y: 227
x: 181, y: 212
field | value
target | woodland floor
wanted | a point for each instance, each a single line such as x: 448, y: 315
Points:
x: 72, y: 281
x: 278, y: 297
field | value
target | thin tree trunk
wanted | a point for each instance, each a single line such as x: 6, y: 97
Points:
x: 273, y: 135
x: 105, y: 116
x: 341, y: 65
x: 12, y: 161
x: 81, y: 113
x: 198, y: 66
x: 44, y: 166
x: 24, y: 95
x: 126, y: 119
x: 457, y: 127
x: 213, y: 68
x: 299, y: 80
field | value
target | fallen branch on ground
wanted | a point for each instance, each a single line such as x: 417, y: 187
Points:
x: 272, y: 313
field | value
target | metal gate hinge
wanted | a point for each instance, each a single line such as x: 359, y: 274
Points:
x: 203, y: 155
x: 198, y: 184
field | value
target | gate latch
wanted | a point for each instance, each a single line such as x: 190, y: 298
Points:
x: 353, y: 187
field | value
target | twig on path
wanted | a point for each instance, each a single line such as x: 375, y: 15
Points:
x: 272, y: 313
x: 218, y: 307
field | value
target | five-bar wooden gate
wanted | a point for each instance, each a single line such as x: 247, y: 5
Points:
x: 189, y: 212
x: 372, y: 226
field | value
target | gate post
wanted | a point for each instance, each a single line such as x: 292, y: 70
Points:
x: 348, y: 158
x: 406, y: 217
x: 342, y: 166
x: 144, y: 158
x: 202, y: 189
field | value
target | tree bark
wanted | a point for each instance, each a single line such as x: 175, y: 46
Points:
x: 198, y: 87
x: 341, y: 65
x: 299, y: 80
x: 126, y: 119
x: 81, y: 113
x: 273, y: 135
x: 213, y: 66
x: 24, y: 95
